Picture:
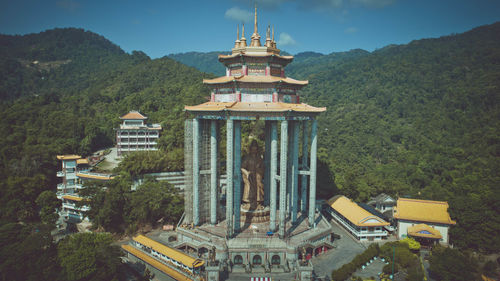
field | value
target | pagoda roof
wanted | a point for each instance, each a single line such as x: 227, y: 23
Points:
x: 254, y: 54
x: 255, y: 79
x: 134, y: 115
x: 255, y: 107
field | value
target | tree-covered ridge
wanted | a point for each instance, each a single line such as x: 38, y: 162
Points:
x: 79, y: 117
x: 206, y: 62
x: 419, y: 120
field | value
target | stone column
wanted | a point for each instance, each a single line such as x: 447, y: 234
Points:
x: 267, y: 162
x: 213, y: 171
x: 295, y: 170
x: 229, y: 172
x: 312, y: 170
x: 273, y: 172
x: 196, y: 170
x: 305, y: 152
x: 237, y: 174
x: 283, y: 175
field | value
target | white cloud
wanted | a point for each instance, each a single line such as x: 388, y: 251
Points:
x: 69, y: 5
x: 351, y: 30
x: 239, y: 15
x: 286, y: 40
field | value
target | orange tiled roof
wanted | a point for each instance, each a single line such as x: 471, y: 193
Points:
x: 354, y: 213
x: 255, y: 79
x: 82, y: 161
x: 134, y: 115
x: 423, y: 210
x: 94, y: 176
x: 255, y: 107
x: 72, y: 198
x: 68, y: 157
x: 423, y: 230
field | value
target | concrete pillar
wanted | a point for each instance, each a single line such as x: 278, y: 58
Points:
x: 267, y: 162
x: 305, y: 167
x: 213, y: 171
x: 312, y: 177
x: 273, y: 172
x: 289, y: 170
x: 283, y: 175
x: 295, y: 170
x: 229, y: 172
x: 196, y: 170
x: 237, y: 174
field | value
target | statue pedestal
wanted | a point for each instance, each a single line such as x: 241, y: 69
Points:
x: 257, y: 215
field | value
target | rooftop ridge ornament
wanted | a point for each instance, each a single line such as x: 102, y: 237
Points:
x: 237, y: 43
x: 255, y: 36
x: 273, y: 42
x: 269, y: 42
x: 243, y: 40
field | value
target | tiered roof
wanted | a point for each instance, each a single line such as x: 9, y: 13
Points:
x: 134, y: 115
x: 255, y: 107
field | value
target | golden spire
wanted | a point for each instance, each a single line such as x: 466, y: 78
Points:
x: 255, y: 35
x: 237, y: 42
x: 255, y: 21
x: 243, y: 40
x: 269, y: 43
x: 273, y: 42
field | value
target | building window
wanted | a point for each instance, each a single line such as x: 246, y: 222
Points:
x: 276, y: 260
x: 257, y: 260
x: 238, y: 259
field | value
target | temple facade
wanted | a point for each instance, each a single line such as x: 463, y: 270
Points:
x: 266, y: 217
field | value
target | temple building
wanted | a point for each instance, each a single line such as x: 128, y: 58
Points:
x: 362, y: 224
x: 266, y: 218
x: 426, y: 221
x: 135, y: 135
x: 75, y: 170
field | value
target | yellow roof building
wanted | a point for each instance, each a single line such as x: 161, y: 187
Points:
x: 422, y: 211
x: 354, y: 213
x: 169, y: 252
x: 68, y: 157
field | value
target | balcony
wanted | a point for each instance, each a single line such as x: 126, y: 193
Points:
x: 71, y: 206
x: 60, y: 174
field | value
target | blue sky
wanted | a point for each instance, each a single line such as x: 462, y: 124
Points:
x: 161, y: 27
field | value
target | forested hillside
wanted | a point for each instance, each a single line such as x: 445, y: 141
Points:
x: 73, y: 108
x: 417, y: 120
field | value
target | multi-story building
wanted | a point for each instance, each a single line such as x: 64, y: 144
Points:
x: 75, y: 170
x: 426, y: 221
x: 362, y: 224
x: 135, y: 135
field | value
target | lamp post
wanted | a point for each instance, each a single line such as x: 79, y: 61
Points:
x: 393, y: 260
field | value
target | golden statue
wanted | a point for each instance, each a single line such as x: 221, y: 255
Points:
x: 252, y: 171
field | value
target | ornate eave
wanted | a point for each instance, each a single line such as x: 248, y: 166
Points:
x: 254, y: 79
x: 275, y: 107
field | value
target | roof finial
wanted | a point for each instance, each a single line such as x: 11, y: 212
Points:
x: 255, y: 36
x: 243, y: 40
x: 273, y: 42
x: 255, y: 20
x: 237, y: 43
x: 269, y: 43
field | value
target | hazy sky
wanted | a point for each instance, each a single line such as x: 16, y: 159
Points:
x: 161, y: 27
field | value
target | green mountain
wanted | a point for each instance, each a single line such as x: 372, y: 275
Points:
x: 417, y: 120
x: 204, y: 61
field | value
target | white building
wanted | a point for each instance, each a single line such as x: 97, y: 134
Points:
x: 359, y: 222
x: 382, y: 203
x: 426, y: 221
x: 74, y: 172
x: 135, y: 135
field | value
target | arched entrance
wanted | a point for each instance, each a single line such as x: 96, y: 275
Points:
x: 257, y: 260
x: 238, y: 259
x: 275, y: 260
